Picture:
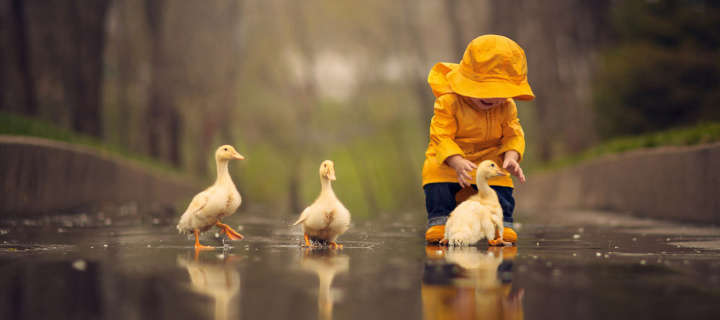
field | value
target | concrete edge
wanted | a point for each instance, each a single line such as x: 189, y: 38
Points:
x: 670, y: 183
x: 41, y: 176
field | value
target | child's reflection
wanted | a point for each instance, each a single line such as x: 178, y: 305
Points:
x: 470, y: 283
x: 214, y: 275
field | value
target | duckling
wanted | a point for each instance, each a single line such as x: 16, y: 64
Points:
x: 480, y: 215
x: 326, y: 218
x: 215, y: 203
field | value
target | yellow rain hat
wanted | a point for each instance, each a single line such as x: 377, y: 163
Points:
x: 492, y: 67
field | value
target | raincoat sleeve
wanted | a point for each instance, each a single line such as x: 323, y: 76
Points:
x: 513, y: 137
x: 442, y: 129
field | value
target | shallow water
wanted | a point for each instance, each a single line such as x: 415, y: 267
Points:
x: 590, y: 266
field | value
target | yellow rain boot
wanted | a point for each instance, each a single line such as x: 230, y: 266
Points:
x: 509, y: 235
x: 435, y: 233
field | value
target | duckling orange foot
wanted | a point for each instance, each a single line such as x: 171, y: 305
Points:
x: 500, y: 242
x: 443, y: 242
x: 231, y: 234
x: 335, y: 245
x: 197, y: 241
x: 307, y: 242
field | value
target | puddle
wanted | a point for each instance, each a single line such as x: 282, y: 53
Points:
x: 384, y: 271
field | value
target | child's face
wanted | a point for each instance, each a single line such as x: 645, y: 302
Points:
x: 487, y: 103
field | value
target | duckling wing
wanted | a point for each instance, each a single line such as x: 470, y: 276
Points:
x: 303, y: 216
x: 197, y: 203
x: 190, y: 219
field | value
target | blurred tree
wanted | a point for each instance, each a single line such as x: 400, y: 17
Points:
x: 562, y: 55
x: 17, y: 92
x: 162, y: 121
x: 55, y: 50
x: 664, y: 69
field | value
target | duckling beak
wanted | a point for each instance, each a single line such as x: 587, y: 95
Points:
x: 501, y: 174
x: 331, y: 175
x: 236, y: 155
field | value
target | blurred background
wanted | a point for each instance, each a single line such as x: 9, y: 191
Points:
x: 292, y: 83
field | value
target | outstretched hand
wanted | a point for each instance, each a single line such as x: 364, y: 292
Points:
x: 511, y: 165
x: 462, y: 167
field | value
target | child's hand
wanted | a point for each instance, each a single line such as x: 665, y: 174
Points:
x: 511, y: 165
x: 462, y: 167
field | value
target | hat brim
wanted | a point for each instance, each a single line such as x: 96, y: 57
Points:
x: 489, y: 89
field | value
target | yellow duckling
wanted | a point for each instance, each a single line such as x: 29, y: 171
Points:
x: 215, y: 203
x: 480, y: 215
x: 326, y: 218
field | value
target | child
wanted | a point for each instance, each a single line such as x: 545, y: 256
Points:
x: 475, y: 120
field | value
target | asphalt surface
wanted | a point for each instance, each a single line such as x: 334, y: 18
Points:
x: 132, y: 264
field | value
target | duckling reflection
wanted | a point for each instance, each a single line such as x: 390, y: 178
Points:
x: 470, y: 283
x: 326, y: 263
x: 215, y: 276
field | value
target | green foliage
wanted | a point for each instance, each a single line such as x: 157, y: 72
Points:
x: 19, y: 125
x: 15, y: 124
x: 703, y: 133
x: 665, y: 69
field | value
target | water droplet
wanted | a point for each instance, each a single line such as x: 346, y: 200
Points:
x: 597, y: 254
x: 79, y: 265
x: 643, y: 262
x: 576, y: 236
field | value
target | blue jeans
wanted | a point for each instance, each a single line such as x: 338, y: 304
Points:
x: 440, y: 201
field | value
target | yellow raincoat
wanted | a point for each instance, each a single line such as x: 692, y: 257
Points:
x: 460, y: 127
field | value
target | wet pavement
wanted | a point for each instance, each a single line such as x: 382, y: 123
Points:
x: 566, y: 265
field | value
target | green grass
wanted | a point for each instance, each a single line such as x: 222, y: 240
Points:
x: 700, y: 134
x: 19, y: 125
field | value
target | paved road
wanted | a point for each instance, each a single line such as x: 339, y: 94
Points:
x: 567, y: 265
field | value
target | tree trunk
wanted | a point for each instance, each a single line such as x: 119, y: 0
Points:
x: 17, y: 92
x: 90, y: 30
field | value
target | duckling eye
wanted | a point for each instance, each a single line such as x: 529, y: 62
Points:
x: 492, y: 165
x: 225, y: 149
